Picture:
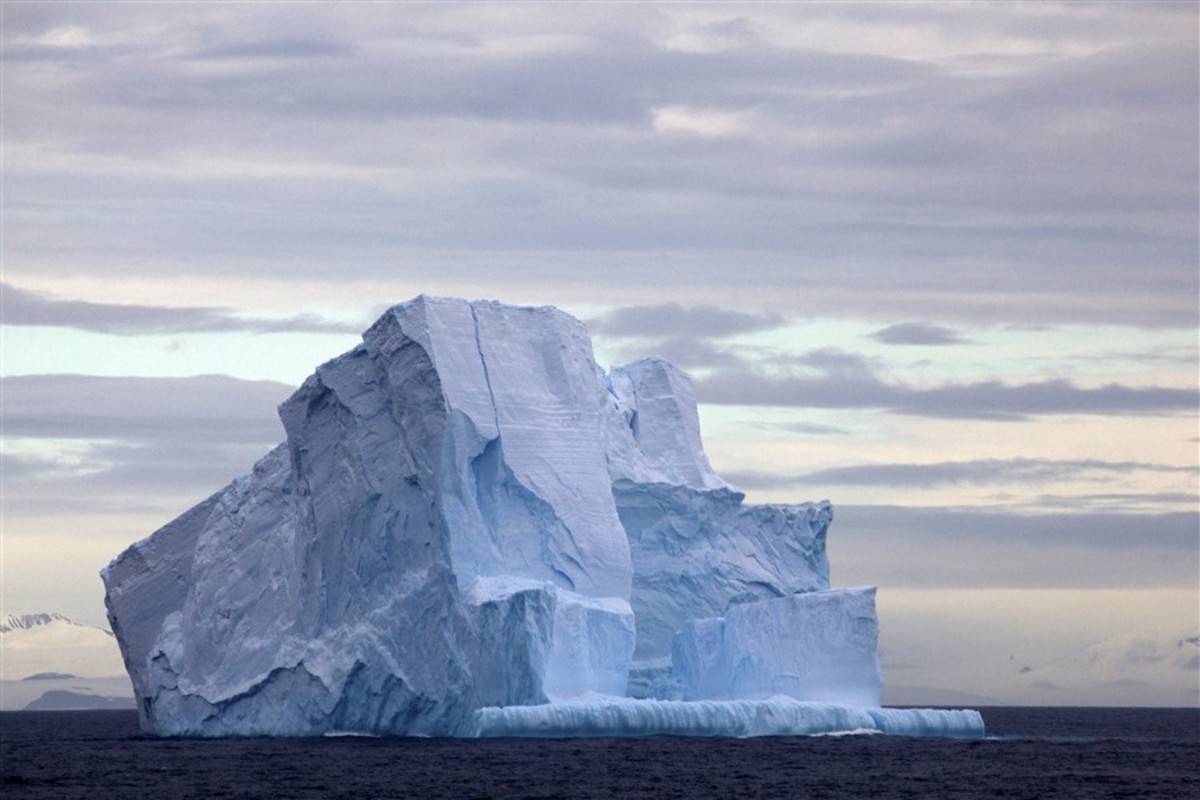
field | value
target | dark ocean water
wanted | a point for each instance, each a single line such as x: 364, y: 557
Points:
x: 1030, y: 753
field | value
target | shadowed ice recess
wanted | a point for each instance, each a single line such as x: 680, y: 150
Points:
x: 474, y: 530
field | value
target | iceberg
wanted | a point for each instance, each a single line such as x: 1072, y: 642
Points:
x: 472, y: 529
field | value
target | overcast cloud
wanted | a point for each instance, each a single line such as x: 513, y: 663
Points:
x: 802, y: 157
x: 992, y: 471
x: 850, y: 385
x: 205, y: 408
x: 905, y: 546
x: 23, y: 307
x: 672, y: 319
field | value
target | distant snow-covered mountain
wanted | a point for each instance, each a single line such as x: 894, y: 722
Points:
x: 26, y: 622
x: 50, y: 661
x: 1154, y: 665
x: 50, y: 642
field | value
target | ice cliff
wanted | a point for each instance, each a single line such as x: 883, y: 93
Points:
x: 473, y: 529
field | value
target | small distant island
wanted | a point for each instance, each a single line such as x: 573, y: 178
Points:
x: 50, y: 676
x: 65, y: 700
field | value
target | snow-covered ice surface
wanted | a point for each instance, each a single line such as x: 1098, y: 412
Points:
x: 469, y: 514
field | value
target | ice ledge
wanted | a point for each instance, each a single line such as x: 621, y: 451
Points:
x: 774, y: 716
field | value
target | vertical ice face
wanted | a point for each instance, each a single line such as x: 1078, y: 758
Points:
x: 468, y: 514
x: 818, y: 646
x: 697, y: 549
x: 654, y: 437
x: 523, y: 486
x: 589, y: 642
x: 326, y: 589
x: 698, y: 554
x: 223, y: 572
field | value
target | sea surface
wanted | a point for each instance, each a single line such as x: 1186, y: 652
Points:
x: 1092, y: 753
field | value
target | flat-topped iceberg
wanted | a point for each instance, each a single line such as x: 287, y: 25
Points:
x: 473, y: 529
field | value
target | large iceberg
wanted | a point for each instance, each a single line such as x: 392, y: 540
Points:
x: 472, y: 529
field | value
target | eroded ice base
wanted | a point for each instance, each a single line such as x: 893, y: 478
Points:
x: 773, y: 716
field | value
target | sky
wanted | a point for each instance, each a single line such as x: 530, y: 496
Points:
x: 935, y: 262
